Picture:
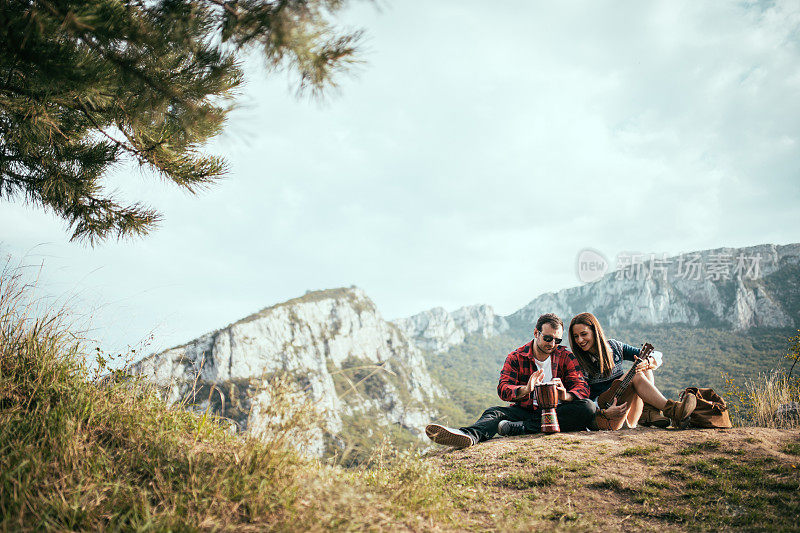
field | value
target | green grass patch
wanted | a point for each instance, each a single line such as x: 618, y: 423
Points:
x: 656, y: 483
x: 723, y: 492
x: 557, y: 515
x: 582, y: 465
x: 675, y: 472
x: 706, y: 468
x: 792, y: 448
x: 546, y: 476
x: 511, y: 454
x: 700, y: 447
x: 639, y: 450
x: 462, y: 476
x: 612, y: 483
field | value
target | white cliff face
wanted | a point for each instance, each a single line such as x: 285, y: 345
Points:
x: 436, y: 330
x: 733, y: 286
x: 317, y: 339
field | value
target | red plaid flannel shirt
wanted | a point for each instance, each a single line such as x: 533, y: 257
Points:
x: 519, y: 366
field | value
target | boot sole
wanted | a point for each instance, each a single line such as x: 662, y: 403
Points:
x: 442, y: 435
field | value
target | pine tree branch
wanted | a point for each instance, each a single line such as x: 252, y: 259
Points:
x: 88, y: 83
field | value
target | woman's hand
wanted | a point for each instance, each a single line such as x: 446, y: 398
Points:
x: 644, y: 366
x: 651, y: 362
x: 615, y: 411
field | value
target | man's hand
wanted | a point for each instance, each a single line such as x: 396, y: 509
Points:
x: 563, y: 395
x: 615, y: 411
x: 534, y: 380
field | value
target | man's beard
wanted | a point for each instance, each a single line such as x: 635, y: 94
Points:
x: 543, y: 350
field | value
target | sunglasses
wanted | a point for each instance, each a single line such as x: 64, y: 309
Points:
x: 549, y: 338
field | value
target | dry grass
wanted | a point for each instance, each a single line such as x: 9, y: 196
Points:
x: 768, y: 393
x: 757, y: 401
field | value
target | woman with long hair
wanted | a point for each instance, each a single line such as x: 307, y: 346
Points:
x: 601, y: 359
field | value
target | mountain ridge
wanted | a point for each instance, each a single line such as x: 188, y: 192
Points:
x: 325, y: 340
x: 742, y: 300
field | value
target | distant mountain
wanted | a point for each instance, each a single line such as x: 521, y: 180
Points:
x: 737, y: 288
x: 740, y: 288
x: 436, y: 330
x: 341, y: 354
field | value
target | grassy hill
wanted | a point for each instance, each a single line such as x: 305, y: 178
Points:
x: 692, y: 357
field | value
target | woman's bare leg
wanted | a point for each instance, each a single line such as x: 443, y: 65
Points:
x: 647, y: 391
x: 635, y: 411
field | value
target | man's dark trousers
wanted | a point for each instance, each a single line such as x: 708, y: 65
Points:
x: 572, y: 416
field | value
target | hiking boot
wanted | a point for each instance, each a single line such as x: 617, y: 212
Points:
x: 507, y: 428
x: 678, y: 412
x: 653, y: 417
x: 449, y: 436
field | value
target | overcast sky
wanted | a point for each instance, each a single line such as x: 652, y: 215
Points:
x: 471, y: 158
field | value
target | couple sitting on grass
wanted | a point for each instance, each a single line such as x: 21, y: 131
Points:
x: 579, y: 379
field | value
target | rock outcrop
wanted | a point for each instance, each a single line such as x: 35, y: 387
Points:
x: 327, y: 341
x: 436, y: 330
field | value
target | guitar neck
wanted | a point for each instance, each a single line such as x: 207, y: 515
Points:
x: 626, y: 380
x: 645, y: 352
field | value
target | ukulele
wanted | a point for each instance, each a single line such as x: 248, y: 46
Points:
x: 620, y: 391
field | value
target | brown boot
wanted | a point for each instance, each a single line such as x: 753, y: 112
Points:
x: 651, y: 416
x: 678, y: 412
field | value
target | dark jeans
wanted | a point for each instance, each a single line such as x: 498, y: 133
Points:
x: 572, y: 416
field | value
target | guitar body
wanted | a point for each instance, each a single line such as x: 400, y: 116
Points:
x: 620, y: 390
x: 605, y: 399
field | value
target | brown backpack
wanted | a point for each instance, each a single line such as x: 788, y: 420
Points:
x: 711, y: 411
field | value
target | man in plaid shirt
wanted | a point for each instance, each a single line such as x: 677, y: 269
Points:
x: 539, y: 361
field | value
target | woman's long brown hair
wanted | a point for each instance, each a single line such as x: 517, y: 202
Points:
x: 603, y: 349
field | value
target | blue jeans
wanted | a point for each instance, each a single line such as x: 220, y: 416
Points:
x: 572, y: 416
